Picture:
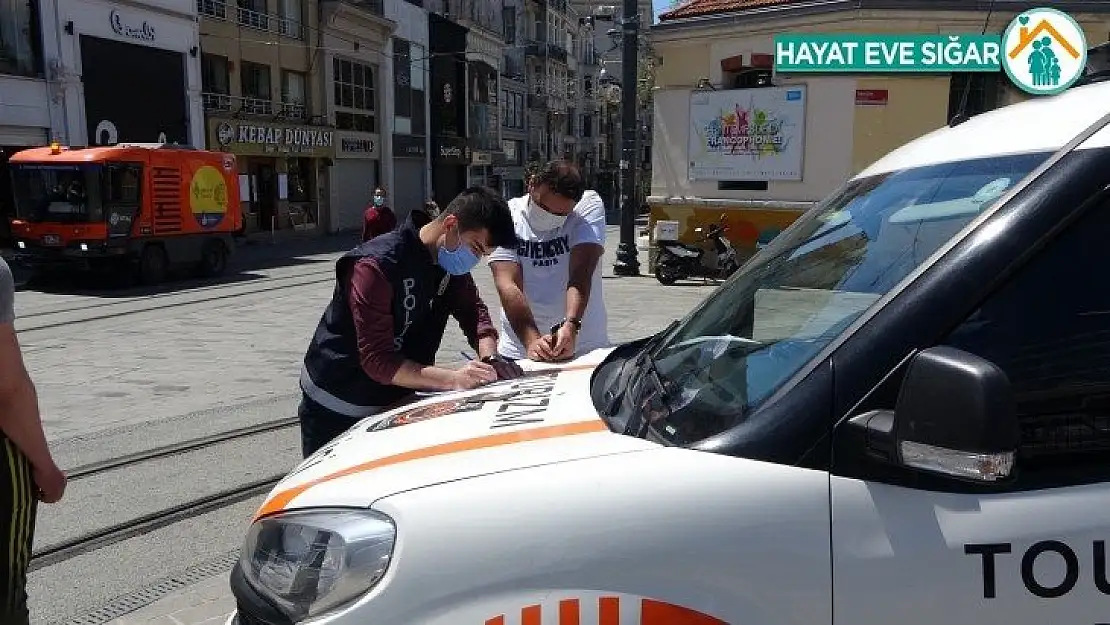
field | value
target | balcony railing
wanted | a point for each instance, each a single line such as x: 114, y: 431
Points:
x: 248, y: 18
x: 224, y: 103
x: 546, y: 49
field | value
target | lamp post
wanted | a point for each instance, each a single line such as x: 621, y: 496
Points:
x: 628, y: 261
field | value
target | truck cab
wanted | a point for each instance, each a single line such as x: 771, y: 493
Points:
x: 898, y: 411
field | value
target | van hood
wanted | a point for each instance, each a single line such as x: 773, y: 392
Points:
x: 545, y: 417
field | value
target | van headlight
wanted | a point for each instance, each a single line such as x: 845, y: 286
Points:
x: 311, y: 561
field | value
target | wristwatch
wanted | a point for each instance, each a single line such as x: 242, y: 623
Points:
x: 574, y: 321
x: 489, y: 360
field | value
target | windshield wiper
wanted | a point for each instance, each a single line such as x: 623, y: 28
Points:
x: 637, y: 422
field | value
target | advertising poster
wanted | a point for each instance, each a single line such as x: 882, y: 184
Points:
x: 747, y: 134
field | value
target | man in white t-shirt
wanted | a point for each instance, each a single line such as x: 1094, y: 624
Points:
x: 552, y: 306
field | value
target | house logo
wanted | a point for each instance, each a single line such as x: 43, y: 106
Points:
x: 1044, y: 51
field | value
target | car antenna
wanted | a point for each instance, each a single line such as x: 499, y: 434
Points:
x: 961, y: 115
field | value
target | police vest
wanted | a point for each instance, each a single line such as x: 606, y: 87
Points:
x: 332, y: 376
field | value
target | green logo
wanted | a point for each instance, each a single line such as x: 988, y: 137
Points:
x: 1045, y: 51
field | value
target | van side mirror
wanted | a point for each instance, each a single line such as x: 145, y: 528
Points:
x: 955, y: 416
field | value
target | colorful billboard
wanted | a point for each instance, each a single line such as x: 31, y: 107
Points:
x: 747, y: 134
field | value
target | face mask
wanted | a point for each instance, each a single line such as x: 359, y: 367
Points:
x: 378, y: 200
x: 541, y: 220
x: 459, y: 261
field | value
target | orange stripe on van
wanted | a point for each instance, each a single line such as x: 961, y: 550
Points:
x: 281, y: 499
x: 661, y: 613
x: 570, y: 612
x: 609, y: 611
x: 497, y: 620
x: 531, y: 615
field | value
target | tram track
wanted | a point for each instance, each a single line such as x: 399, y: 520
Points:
x: 174, y: 449
x: 183, y: 291
x: 34, y: 327
x: 61, y: 551
x: 90, y: 541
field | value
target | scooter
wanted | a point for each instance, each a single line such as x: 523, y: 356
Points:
x: 711, y: 257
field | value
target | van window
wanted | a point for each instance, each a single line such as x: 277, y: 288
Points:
x: 121, y: 184
x: 779, y: 311
x: 1048, y: 328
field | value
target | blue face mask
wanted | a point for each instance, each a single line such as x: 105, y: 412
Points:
x: 459, y: 261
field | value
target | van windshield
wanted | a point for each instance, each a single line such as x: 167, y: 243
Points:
x: 778, y: 312
x: 57, y: 193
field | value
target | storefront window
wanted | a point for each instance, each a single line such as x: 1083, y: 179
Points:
x: 300, y: 180
x: 20, y: 45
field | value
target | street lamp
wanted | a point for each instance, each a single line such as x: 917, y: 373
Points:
x: 610, y: 95
x: 628, y: 261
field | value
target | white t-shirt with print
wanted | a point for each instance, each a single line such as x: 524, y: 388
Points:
x: 544, y: 258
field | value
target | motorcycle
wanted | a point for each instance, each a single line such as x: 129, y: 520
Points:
x: 711, y: 257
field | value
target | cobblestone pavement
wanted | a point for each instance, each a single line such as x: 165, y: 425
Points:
x: 120, y: 372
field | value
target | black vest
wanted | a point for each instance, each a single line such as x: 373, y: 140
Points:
x: 332, y: 376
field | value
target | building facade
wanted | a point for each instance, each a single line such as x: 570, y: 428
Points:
x: 109, y: 49
x: 712, y: 52
x: 604, y: 51
x: 355, y: 67
x: 32, y: 105
x: 409, y: 171
x: 263, y: 102
x: 450, y: 153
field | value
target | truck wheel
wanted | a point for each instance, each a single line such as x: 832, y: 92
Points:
x: 153, y: 265
x: 665, y: 275
x: 213, y: 259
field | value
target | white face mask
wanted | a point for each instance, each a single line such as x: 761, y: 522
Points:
x: 541, y: 220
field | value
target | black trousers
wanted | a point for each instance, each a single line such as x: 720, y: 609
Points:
x: 18, y: 503
x: 320, y: 426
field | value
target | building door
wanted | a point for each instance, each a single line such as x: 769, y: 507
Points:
x: 263, y: 172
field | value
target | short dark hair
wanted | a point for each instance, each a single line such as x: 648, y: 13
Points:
x: 481, y: 207
x: 563, y: 178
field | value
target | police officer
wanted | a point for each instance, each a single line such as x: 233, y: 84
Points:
x: 377, y: 340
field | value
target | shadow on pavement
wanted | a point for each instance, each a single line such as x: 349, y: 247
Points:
x: 249, y: 256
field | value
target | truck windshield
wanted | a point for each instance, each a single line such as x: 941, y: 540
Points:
x: 777, y: 313
x: 57, y: 193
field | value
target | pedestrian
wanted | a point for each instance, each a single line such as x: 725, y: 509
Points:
x: 377, y: 340
x: 552, y: 306
x: 27, y: 470
x: 430, y: 208
x: 378, y: 217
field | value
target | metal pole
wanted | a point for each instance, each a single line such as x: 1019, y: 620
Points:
x: 628, y: 261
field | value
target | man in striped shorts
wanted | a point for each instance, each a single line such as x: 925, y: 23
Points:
x: 27, y: 471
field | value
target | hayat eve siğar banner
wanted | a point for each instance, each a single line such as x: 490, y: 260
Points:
x: 747, y: 134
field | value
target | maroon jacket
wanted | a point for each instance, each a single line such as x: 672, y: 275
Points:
x: 377, y: 220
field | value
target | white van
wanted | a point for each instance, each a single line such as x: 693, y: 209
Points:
x: 896, y: 412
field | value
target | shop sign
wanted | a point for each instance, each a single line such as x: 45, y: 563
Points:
x: 872, y: 97
x: 251, y: 138
x: 408, y: 146
x: 357, y: 145
x: 451, y: 150
x: 142, y: 31
x: 480, y: 158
